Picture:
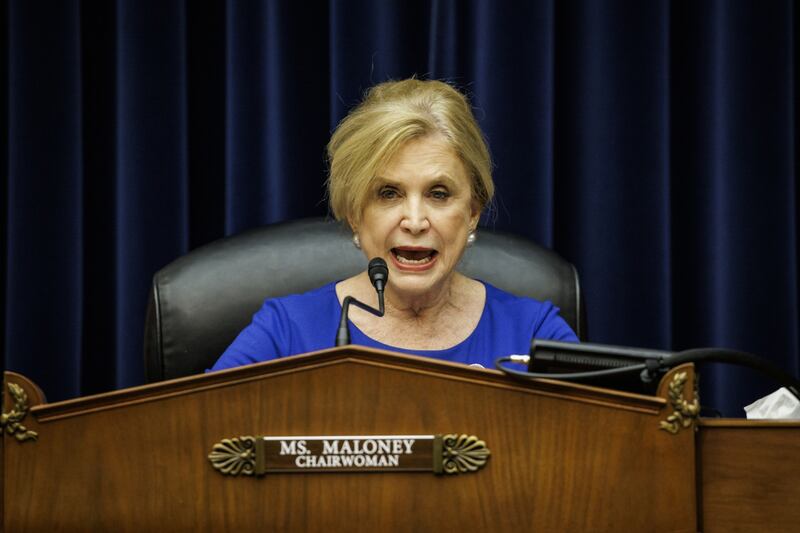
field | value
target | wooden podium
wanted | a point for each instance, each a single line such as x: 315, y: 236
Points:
x: 558, y: 456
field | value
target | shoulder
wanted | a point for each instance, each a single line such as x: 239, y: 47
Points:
x: 506, y: 300
x: 305, y: 301
x: 302, y: 312
x: 284, y: 326
x: 501, y: 302
x: 541, y: 319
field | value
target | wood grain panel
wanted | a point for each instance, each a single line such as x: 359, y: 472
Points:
x: 564, y: 457
x: 748, y: 475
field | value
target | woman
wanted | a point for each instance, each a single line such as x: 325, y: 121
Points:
x: 410, y: 173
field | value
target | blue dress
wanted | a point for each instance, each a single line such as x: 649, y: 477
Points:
x: 302, y: 323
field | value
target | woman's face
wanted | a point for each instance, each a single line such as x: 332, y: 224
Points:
x: 419, y: 215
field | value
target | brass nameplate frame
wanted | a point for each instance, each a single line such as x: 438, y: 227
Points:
x: 440, y: 454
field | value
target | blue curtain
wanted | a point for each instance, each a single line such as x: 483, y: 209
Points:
x: 652, y: 144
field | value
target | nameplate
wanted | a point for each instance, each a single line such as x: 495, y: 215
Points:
x: 439, y: 454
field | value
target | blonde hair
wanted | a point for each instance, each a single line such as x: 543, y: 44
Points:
x: 392, y: 114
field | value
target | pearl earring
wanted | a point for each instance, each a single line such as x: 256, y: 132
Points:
x: 356, y: 241
x: 471, y: 238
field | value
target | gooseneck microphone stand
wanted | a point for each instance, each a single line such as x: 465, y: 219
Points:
x: 378, y: 274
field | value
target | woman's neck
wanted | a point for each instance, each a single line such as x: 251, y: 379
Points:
x: 450, y: 295
x: 442, y: 320
x: 420, y: 306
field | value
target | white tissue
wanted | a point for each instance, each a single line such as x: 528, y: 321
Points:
x: 781, y: 404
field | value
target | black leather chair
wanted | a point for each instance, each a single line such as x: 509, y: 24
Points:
x: 200, y: 302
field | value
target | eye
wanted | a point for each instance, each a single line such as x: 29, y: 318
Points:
x: 440, y: 194
x: 388, y: 193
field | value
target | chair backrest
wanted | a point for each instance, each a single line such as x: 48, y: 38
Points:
x: 202, y: 300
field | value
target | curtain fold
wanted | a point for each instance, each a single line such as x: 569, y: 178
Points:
x: 44, y: 305
x: 517, y: 46
x: 151, y: 213
x: 652, y: 144
x: 734, y: 244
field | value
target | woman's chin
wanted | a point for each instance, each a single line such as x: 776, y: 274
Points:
x: 414, y: 284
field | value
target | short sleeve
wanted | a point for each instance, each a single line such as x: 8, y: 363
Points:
x: 550, y: 326
x: 267, y: 337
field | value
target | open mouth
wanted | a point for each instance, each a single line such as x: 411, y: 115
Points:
x: 414, y: 256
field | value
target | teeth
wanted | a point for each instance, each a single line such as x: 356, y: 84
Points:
x: 406, y: 261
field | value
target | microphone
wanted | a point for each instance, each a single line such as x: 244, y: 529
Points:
x: 378, y: 274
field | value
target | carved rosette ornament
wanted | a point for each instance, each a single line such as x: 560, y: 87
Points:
x: 234, y: 456
x: 11, y: 420
x: 684, y: 413
x: 463, y: 453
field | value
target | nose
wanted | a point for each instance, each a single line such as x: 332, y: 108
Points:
x: 415, y: 217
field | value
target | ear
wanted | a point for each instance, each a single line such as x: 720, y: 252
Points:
x: 351, y: 222
x: 474, y: 215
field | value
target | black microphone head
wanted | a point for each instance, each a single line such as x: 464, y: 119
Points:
x: 378, y: 273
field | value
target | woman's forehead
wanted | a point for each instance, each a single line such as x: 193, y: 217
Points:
x: 428, y: 157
